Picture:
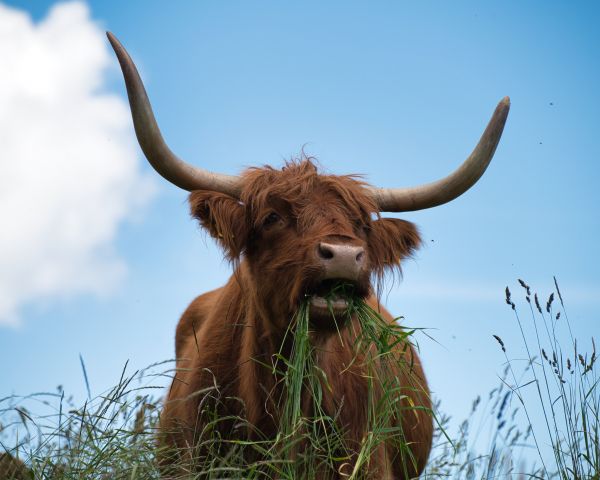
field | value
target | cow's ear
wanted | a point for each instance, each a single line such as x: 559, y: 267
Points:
x: 223, y: 217
x: 392, y: 240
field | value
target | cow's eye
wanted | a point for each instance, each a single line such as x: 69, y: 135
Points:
x: 271, y: 219
x: 362, y: 227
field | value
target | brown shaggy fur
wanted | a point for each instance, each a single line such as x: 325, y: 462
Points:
x: 226, y: 336
x: 12, y: 468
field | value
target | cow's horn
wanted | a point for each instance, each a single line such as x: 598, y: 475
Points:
x: 152, y: 143
x: 455, y: 184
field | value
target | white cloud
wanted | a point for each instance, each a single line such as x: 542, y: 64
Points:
x: 69, y: 171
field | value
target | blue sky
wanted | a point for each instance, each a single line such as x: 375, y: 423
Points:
x: 399, y: 91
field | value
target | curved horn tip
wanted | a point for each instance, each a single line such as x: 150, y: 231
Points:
x: 111, y: 37
x: 114, y: 42
x: 500, y: 115
x: 505, y: 102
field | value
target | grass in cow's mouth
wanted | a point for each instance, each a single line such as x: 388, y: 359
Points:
x: 338, y: 288
x: 307, y: 422
x: 333, y: 289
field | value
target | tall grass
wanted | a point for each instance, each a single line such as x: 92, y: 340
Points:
x: 542, y: 421
x: 111, y: 436
x: 565, y: 387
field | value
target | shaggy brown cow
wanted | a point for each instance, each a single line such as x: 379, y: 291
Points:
x: 289, y: 234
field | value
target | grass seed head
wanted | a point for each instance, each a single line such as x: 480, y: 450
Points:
x: 549, y: 302
x: 537, y: 302
x: 499, y: 340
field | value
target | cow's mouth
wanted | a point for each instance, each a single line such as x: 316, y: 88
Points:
x: 331, y: 302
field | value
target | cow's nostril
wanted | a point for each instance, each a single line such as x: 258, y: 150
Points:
x: 360, y: 257
x: 325, y: 252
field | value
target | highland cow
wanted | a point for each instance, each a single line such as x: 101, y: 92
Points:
x: 290, y: 234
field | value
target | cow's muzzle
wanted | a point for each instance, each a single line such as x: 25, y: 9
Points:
x: 340, y: 260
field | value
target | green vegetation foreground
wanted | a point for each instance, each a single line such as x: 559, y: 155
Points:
x: 114, y: 435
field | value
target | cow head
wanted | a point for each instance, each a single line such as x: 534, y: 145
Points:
x: 300, y: 232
